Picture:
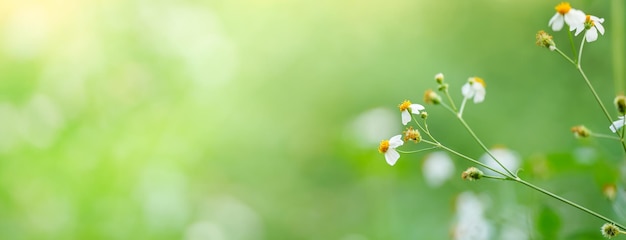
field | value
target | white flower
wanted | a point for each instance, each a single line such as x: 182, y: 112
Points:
x: 593, y: 25
x: 388, y: 147
x: 566, y: 14
x: 438, y: 167
x: 471, y: 223
x: 618, y: 124
x: 475, y: 87
x: 407, y: 108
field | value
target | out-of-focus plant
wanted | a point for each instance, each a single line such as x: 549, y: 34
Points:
x: 575, y: 22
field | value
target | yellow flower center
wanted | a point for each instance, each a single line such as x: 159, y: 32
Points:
x: 412, y: 134
x: 480, y: 81
x: 563, y: 8
x: 384, y: 146
x: 404, y: 105
x: 589, y: 21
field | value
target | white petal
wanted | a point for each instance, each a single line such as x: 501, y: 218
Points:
x: 591, y: 35
x: 558, y: 23
x: 575, y: 17
x: 617, y: 124
x: 597, y: 19
x: 406, y: 117
x: 479, y: 97
x: 392, y: 156
x: 553, y: 21
x: 467, y: 91
x: 599, y: 27
x: 416, y: 108
x: 395, y: 141
x: 579, y: 29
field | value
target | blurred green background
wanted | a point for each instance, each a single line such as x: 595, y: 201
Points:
x: 261, y: 119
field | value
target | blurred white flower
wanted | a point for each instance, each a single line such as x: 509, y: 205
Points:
x: 407, y: 108
x: 471, y: 223
x: 566, y: 14
x: 474, y: 88
x: 618, y: 124
x: 593, y: 25
x: 372, y: 125
x: 508, y: 158
x: 388, y: 147
x: 438, y: 167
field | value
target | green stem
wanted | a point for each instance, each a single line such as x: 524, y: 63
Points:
x: 498, y: 178
x: 460, y: 112
x: 557, y: 197
x: 417, y: 151
x: 580, y: 53
x: 599, y: 135
x: 564, y: 56
x: 467, y: 158
x: 571, y: 41
x: 485, y: 147
x: 449, y: 99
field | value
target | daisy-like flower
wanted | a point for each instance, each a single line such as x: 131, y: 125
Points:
x: 617, y: 124
x: 474, y: 88
x: 566, y: 14
x: 388, y: 147
x: 407, y: 108
x: 593, y: 25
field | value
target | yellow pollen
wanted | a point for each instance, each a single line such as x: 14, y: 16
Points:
x: 563, y: 8
x: 384, y: 146
x: 404, y: 105
x: 480, y: 80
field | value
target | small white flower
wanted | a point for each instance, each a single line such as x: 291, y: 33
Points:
x: 438, y: 167
x: 593, y: 25
x: 474, y: 88
x: 388, y: 147
x: 407, y: 108
x: 618, y: 124
x: 566, y: 14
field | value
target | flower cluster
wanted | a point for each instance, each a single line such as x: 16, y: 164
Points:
x: 576, y: 20
x: 473, y: 89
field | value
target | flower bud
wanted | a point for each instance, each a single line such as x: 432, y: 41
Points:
x: 609, y: 230
x: 424, y: 115
x: 431, y: 97
x: 472, y: 174
x: 443, y: 87
x: 412, y: 134
x: 545, y: 40
x: 620, y: 104
x: 581, y: 131
x: 609, y: 191
x: 439, y: 78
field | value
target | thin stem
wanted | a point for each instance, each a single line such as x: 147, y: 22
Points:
x: 449, y: 99
x: 580, y: 53
x: 485, y: 147
x: 460, y: 112
x: 417, y: 151
x: 564, y: 56
x: 498, y: 178
x: 595, y: 94
x: 467, y: 158
x: 571, y: 41
x: 557, y: 197
x: 599, y: 135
